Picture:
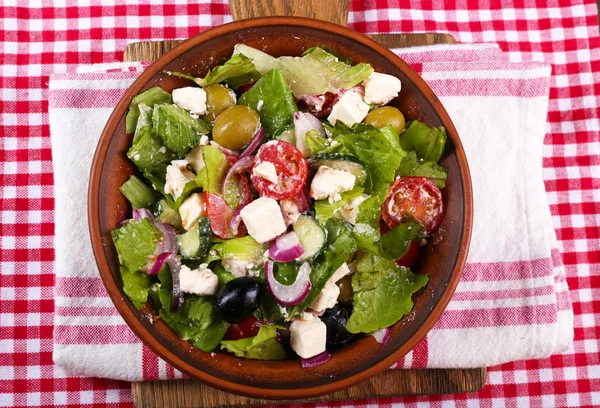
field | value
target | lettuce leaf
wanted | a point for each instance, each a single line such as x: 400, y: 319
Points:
x: 391, y: 245
x: 237, y: 71
x: 378, y: 149
x: 147, y: 151
x: 382, y: 293
x: 138, y: 193
x: 149, y: 97
x: 136, y: 286
x: 427, y: 141
x: 324, y: 209
x: 263, y: 346
x: 178, y: 130
x: 277, y: 105
x: 413, y: 166
x: 216, y: 166
x: 242, y: 249
x: 136, y: 242
x: 263, y: 62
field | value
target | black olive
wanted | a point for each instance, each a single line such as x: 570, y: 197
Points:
x: 335, y: 319
x: 238, y: 299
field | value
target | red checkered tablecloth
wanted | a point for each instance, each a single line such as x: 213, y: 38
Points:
x: 46, y: 37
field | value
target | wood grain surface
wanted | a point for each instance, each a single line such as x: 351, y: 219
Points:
x: 193, y: 393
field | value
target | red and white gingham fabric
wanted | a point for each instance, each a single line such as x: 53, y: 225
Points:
x: 41, y: 39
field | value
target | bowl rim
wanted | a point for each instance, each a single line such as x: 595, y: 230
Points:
x: 115, y: 292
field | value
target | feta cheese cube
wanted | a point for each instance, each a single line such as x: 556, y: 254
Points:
x: 195, y: 159
x: 267, y: 171
x: 191, y: 210
x: 201, y: 281
x: 350, y: 108
x: 177, y: 177
x: 290, y: 211
x: 349, y: 211
x: 236, y: 267
x: 190, y: 98
x: 340, y: 273
x: 329, y: 181
x: 381, y: 88
x: 263, y: 219
x: 308, y: 335
x: 326, y: 298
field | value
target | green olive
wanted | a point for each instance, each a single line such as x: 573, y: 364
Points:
x: 386, y: 116
x: 235, y: 127
x: 346, y: 293
x: 218, y: 98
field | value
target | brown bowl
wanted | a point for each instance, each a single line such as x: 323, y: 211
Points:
x: 442, y: 259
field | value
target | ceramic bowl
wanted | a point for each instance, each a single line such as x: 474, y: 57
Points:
x: 443, y: 257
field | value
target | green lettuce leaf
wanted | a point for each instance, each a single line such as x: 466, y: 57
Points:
x: 149, y: 97
x: 413, y: 166
x: 138, y: 193
x: 319, y: 71
x: 147, y: 151
x: 391, y: 245
x: 427, y: 141
x: 376, y: 148
x: 237, y: 71
x: 318, y: 144
x: 223, y: 275
x: 324, y: 209
x: 178, y: 130
x: 144, y: 120
x: 216, y: 166
x: 136, y: 286
x: 263, y: 346
x: 272, y: 99
x: 263, y: 62
x: 167, y: 214
x: 340, y: 57
x: 341, y: 246
x: 369, y: 211
x: 242, y: 249
x: 382, y: 294
x: 136, y: 242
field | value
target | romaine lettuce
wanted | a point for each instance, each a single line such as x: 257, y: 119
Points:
x: 216, y: 166
x: 138, y: 193
x: 382, y: 293
x: 391, y: 245
x: 148, y: 152
x: 136, y: 242
x: 149, y: 97
x: 263, y: 346
x: 237, y: 71
x: 178, y: 130
x: 325, y: 209
x: 413, y: 166
x: 427, y: 141
x: 136, y: 286
x: 242, y: 249
x: 272, y: 99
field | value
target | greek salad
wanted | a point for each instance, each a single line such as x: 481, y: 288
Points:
x: 279, y: 205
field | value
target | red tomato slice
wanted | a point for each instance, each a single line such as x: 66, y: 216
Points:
x: 221, y: 216
x: 417, y: 196
x: 245, y: 329
x: 411, y: 256
x: 291, y: 167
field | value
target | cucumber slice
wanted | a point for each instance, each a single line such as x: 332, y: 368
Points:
x: 311, y: 236
x: 341, y: 162
x: 168, y: 214
x: 196, y: 242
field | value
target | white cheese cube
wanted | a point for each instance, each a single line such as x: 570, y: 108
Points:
x: 329, y: 181
x: 263, y: 219
x: 349, y: 211
x: 191, y: 210
x: 177, y: 177
x: 350, y: 108
x: 308, y: 335
x: 381, y: 88
x: 195, y: 159
x: 201, y: 281
x: 236, y: 267
x: 192, y: 99
x: 267, y: 171
x: 326, y: 299
x: 290, y: 211
x: 339, y: 273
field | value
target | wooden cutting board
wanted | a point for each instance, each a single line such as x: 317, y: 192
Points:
x: 193, y: 393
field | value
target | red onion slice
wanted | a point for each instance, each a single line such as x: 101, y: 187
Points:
x: 289, y: 295
x: 286, y: 248
x: 303, y: 200
x: 169, y: 239
x: 316, y: 360
x: 382, y: 336
x: 256, y: 139
x: 139, y: 214
x: 239, y: 166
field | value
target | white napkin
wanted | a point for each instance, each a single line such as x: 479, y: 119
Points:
x: 512, y: 302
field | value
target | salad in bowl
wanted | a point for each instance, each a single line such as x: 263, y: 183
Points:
x: 279, y: 206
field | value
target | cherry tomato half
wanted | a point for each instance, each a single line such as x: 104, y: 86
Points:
x: 291, y: 167
x: 244, y: 329
x: 417, y: 196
